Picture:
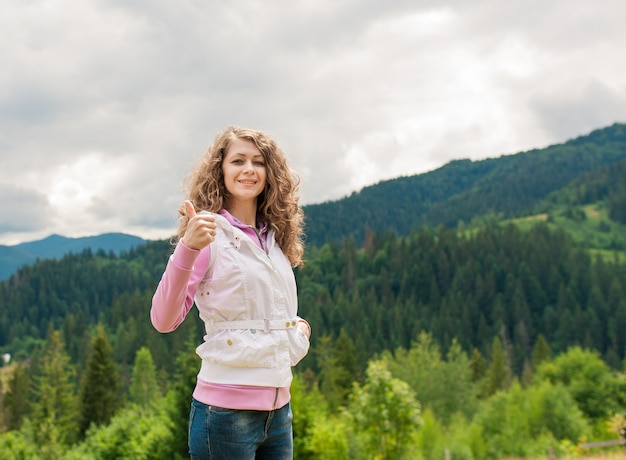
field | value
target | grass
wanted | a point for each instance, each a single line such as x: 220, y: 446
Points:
x: 589, y: 226
x: 612, y: 455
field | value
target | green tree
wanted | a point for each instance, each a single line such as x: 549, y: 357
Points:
x: 332, y: 374
x: 130, y: 434
x: 524, y: 422
x: 178, y: 399
x: 338, y: 367
x: 445, y: 386
x: 498, y: 375
x: 144, y: 388
x: 15, y: 400
x: 20, y: 444
x: 310, y: 416
x: 100, y: 395
x: 385, y: 412
x: 55, y: 408
x: 587, y: 378
x: 329, y: 439
x: 430, y: 434
x: 541, y: 352
x: 478, y: 366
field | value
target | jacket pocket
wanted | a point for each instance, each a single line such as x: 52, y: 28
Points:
x: 245, y: 348
x: 298, y: 346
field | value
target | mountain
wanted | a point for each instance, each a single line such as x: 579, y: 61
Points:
x: 556, y: 271
x: 462, y: 190
x: 56, y: 246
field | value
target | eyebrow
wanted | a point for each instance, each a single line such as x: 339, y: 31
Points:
x: 241, y: 154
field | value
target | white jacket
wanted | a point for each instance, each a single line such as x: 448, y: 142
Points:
x: 248, y: 302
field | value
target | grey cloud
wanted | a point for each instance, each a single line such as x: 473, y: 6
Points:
x: 22, y: 210
x: 28, y: 105
x: 156, y: 80
x: 569, y: 112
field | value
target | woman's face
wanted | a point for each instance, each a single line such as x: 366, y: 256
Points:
x: 244, y: 171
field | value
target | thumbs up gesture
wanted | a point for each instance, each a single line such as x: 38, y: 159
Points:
x: 201, y: 228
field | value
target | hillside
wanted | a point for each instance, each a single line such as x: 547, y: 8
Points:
x: 464, y: 190
x: 461, y: 191
x: 507, y: 322
x: 575, y: 189
x: 76, y: 290
x: 592, y: 209
x: 56, y: 246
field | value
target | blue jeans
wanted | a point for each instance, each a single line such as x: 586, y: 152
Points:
x: 216, y: 433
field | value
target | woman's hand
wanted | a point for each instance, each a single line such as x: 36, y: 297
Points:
x: 305, y: 328
x: 201, y: 229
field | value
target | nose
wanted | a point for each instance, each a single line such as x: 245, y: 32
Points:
x: 248, y: 167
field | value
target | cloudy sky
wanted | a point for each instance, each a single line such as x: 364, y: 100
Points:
x: 106, y: 105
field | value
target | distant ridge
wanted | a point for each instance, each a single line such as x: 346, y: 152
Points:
x: 509, y: 186
x: 462, y: 190
x: 57, y: 246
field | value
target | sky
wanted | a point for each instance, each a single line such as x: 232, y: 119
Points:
x: 107, y: 105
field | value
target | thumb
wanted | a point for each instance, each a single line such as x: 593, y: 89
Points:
x: 189, y: 209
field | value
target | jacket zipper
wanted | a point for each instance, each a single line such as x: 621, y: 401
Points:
x: 258, y: 235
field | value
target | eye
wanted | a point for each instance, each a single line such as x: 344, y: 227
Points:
x: 259, y: 163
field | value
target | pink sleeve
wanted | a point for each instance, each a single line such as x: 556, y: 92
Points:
x: 174, y: 295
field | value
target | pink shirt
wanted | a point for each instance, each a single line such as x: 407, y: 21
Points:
x: 172, y: 301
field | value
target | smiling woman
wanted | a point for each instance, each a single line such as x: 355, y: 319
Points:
x: 244, y: 179
x: 240, y: 236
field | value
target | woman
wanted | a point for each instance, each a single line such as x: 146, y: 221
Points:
x: 240, y: 237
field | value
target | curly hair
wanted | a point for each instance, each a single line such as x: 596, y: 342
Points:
x: 278, y: 202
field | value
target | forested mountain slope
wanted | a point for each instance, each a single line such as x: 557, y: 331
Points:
x: 462, y: 190
x: 498, y: 280
x: 606, y: 185
x: 403, y: 286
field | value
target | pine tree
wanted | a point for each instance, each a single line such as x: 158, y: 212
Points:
x: 100, y: 396
x: 331, y: 373
x: 337, y: 361
x: 180, y: 393
x: 55, y: 405
x: 144, y: 388
x: 541, y: 352
x: 499, y: 373
x: 15, y: 400
x: 478, y: 366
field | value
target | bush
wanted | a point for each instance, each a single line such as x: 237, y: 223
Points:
x: 526, y: 422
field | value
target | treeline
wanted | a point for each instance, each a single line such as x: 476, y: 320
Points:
x: 77, y: 292
x: 470, y: 287
x: 415, y: 403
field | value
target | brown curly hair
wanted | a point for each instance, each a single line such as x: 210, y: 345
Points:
x: 277, y: 204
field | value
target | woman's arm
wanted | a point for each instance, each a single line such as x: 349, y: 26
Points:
x: 174, y: 295
x: 185, y: 269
